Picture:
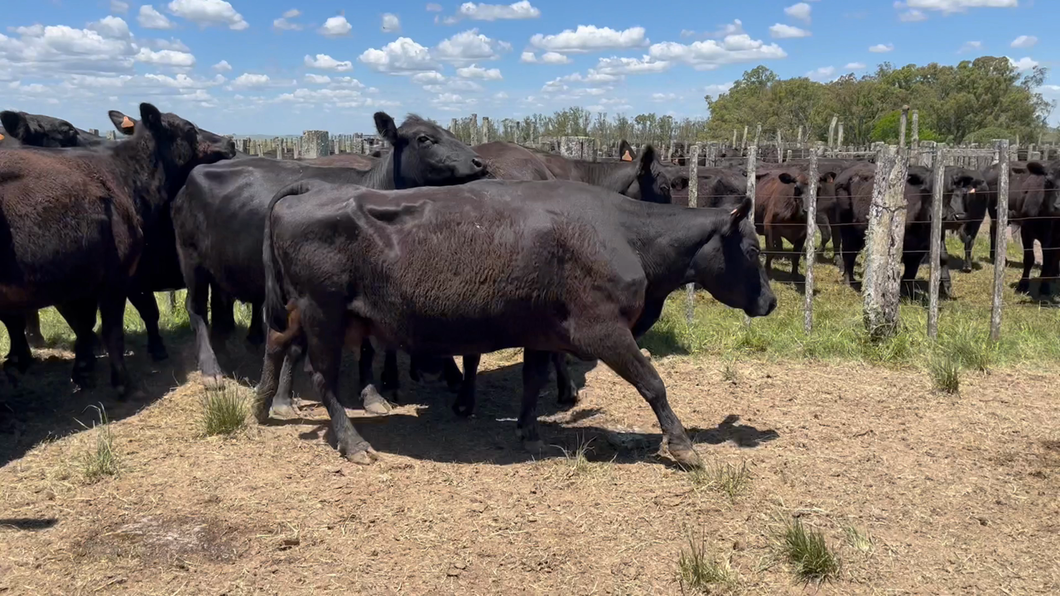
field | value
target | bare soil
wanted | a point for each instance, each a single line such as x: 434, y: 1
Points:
x: 959, y: 493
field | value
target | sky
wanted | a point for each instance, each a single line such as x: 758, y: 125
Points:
x: 283, y: 66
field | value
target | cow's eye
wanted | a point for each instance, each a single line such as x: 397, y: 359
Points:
x: 424, y: 139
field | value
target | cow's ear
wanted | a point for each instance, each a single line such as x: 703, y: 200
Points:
x: 625, y: 151
x: 386, y: 127
x: 740, y: 212
x: 1032, y: 166
x: 122, y: 123
x: 827, y: 177
x: 647, y: 158
x: 914, y: 179
x: 150, y: 117
x: 15, y: 124
x: 787, y: 178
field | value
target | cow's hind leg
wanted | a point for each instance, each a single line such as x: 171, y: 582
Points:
x: 81, y: 316
x: 535, y: 376
x: 197, y: 303
x: 324, y: 346
x: 465, y: 398
x: 33, y: 333
x: 19, y: 357
x: 256, y: 329
x: 277, y: 373
x: 112, y: 317
x: 390, y: 380
x: 566, y: 390
x: 373, y: 401
x: 616, y: 348
x: 145, y: 304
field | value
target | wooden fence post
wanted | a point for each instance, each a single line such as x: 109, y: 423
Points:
x: 839, y: 137
x: 831, y: 132
x: 935, y: 277
x: 1001, y: 243
x: 474, y: 130
x: 799, y: 140
x: 901, y: 131
x: 693, y: 201
x: 485, y: 136
x: 744, y: 144
x: 780, y: 148
x: 915, y: 142
x: 734, y: 138
x: 758, y: 134
x: 883, y: 247
x: 752, y: 188
x: 811, y: 243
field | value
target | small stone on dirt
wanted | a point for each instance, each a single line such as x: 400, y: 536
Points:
x: 290, y: 542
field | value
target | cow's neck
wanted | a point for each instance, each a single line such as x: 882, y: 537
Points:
x: 617, y: 177
x: 149, y: 180
x: 380, y: 176
x: 667, y: 238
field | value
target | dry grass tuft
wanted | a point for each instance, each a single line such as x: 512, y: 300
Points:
x: 808, y: 553
x: 726, y: 478
x: 100, y: 459
x: 729, y: 374
x: 859, y: 540
x: 945, y: 371
x: 224, y: 412
x: 702, y: 573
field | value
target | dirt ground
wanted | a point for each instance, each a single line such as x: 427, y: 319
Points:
x: 959, y: 493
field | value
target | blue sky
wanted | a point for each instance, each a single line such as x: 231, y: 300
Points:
x: 281, y: 66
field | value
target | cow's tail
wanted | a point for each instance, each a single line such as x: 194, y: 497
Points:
x: 275, y: 297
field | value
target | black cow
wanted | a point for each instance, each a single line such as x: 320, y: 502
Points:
x: 854, y: 189
x: 969, y: 188
x: 643, y: 178
x: 234, y: 195
x: 549, y: 266
x: 95, y: 205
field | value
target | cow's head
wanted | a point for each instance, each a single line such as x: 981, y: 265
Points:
x: 40, y: 131
x: 965, y: 188
x: 653, y: 179
x: 728, y: 265
x: 180, y: 144
x: 425, y: 154
x: 1051, y: 172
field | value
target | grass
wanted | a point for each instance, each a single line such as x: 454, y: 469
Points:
x: 1028, y: 334
x: 100, y: 459
x: 224, y: 412
x: 701, y: 573
x: 859, y: 540
x: 729, y: 374
x: 726, y: 478
x: 945, y: 373
x: 808, y: 553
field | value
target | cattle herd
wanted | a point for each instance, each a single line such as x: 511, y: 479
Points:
x: 432, y: 247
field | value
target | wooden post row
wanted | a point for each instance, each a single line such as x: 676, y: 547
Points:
x: 811, y: 242
x: 693, y: 201
x: 1001, y: 241
x: 883, y: 247
x: 752, y: 182
x: 935, y: 276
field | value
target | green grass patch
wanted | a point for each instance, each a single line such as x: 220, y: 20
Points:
x: 728, y: 479
x: 224, y: 412
x: 702, y: 573
x: 808, y: 553
x: 100, y: 459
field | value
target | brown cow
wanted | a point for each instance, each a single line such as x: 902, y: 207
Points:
x: 780, y: 212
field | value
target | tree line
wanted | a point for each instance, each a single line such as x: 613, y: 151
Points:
x: 974, y: 101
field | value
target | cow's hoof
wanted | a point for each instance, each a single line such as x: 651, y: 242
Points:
x: 684, y: 455
x: 284, y: 412
x: 83, y: 378
x: 158, y: 353
x: 1023, y: 287
x: 374, y: 403
x: 261, y: 412
x: 360, y: 453
x: 967, y: 268
x: 568, y: 398
x: 213, y: 382
x: 535, y: 447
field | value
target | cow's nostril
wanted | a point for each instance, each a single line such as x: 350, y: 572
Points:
x: 476, y: 162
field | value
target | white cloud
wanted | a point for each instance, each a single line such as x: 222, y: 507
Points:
x: 432, y: 7
x: 1023, y: 63
x: 589, y: 38
x: 855, y: 66
x: 391, y: 23
x: 339, y: 98
x: 451, y: 102
x: 112, y: 27
x: 284, y: 23
x: 165, y: 58
x: 823, y: 73
x: 247, y: 80
x: 171, y: 44
x: 207, y: 13
x: 325, y: 62
x: 912, y: 16
x: 317, y: 79
x: 183, y: 81
x: 624, y: 66
x: 882, y: 48
x: 222, y: 66
x: 500, y: 95
x: 800, y: 11
x: 782, y: 31
x: 470, y: 46
x: 718, y: 88
x: 733, y: 28
x: 477, y: 72
x: 970, y: 46
x: 149, y: 18
x: 661, y: 97
x: 119, y: 6
x: 710, y: 54
x: 335, y: 27
x: 452, y: 85
x: 497, y: 12
x: 554, y: 58
x: 401, y: 56
x: 1024, y: 41
x: 428, y: 78
x: 954, y: 6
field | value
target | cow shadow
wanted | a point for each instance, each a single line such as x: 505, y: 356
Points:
x: 43, y: 404
x: 662, y: 340
x: 426, y: 428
